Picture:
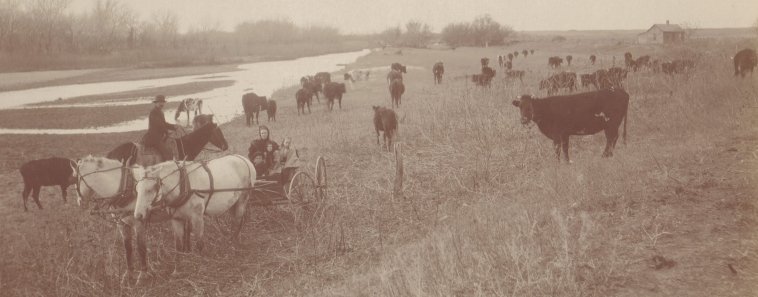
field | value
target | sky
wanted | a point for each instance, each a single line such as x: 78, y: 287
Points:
x: 373, y: 16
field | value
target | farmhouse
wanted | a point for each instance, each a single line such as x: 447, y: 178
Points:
x: 662, y: 34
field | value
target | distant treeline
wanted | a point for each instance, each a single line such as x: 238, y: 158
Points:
x: 483, y: 31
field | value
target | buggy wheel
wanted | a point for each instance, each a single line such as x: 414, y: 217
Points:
x: 302, y: 189
x: 321, y: 185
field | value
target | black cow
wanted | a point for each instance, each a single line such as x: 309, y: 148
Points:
x: 531, y: 52
x: 508, y: 65
x: 525, y: 53
x: 253, y: 104
x: 557, y: 81
x: 314, y: 85
x: 333, y: 91
x: 510, y: 57
x: 303, y: 97
x: 271, y: 110
x: 744, y: 61
x: 47, y: 172
x: 385, y: 120
x: 568, y: 59
x: 592, y: 59
x: 323, y: 77
x: 484, y: 78
x: 515, y: 54
x: 559, y: 117
x: 439, y: 69
x: 500, y: 60
x: 397, y: 88
x: 588, y: 79
x: 643, y: 61
x: 399, y: 67
x: 513, y: 74
x: 611, y: 78
x: 554, y: 62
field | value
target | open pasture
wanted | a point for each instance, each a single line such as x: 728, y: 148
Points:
x: 486, y: 208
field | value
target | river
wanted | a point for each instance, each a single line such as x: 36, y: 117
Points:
x: 263, y: 78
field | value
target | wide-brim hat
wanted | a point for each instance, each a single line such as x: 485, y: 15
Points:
x: 160, y: 99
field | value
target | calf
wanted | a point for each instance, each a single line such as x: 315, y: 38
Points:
x: 271, y: 110
x: 744, y: 61
x: 559, y: 117
x: 47, y: 172
x: 385, y: 120
x: 333, y: 91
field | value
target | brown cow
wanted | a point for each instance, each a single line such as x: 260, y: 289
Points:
x: 385, y: 120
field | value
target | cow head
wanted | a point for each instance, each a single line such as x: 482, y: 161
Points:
x: 525, y: 103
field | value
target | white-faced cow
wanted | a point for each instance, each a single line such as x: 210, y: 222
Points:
x: 559, y: 117
x: 47, y: 172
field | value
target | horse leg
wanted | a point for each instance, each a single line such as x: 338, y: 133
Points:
x: 126, y: 238
x: 198, y: 224
x: 25, y: 194
x: 238, y: 210
x: 139, y: 230
x: 178, y: 226
x: 35, y: 195
x: 187, y: 233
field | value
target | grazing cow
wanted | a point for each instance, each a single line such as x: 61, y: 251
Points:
x: 47, y: 172
x: 554, y: 62
x: 525, y: 53
x: 677, y: 66
x: 500, y: 60
x: 385, y: 120
x: 508, y: 65
x: 439, y: 69
x: 303, y: 97
x: 397, y: 88
x: 568, y: 59
x: 656, y: 65
x: 592, y: 59
x: 484, y: 78
x: 643, y: 61
x: 559, y: 117
x: 611, y: 78
x: 485, y: 62
x: 333, y: 91
x: 667, y: 67
x: 510, y: 57
x: 744, y: 61
x: 515, y: 54
x: 252, y: 104
x: 399, y: 67
x: 588, y: 79
x: 513, y: 74
x: 271, y: 110
x: 557, y: 81
x: 187, y: 105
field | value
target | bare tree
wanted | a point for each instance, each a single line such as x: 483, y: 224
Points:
x: 9, y: 12
x: 417, y: 34
x: 167, y: 27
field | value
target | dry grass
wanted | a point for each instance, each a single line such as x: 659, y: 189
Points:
x: 487, y: 210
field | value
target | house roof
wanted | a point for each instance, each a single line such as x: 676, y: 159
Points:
x: 666, y: 28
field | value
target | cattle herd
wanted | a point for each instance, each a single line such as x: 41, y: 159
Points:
x: 558, y: 117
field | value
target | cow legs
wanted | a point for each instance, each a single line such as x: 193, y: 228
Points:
x: 35, y: 195
x: 565, y: 147
x: 610, y: 142
x: 377, y: 136
x: 28, y: 188
x: 63, y: 192
x: 247, y: 119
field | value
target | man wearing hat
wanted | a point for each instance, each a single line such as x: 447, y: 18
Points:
x: 157, y: 130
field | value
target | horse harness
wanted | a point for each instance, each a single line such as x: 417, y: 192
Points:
x: 124, y: 195
x: 185, y: 190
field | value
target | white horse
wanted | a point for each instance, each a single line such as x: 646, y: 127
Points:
x: 190, y: 190
x: 106, y: 186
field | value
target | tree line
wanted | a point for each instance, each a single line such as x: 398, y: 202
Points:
x: 482, y: 31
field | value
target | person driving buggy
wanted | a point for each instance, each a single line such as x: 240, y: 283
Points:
x: 262, y: 152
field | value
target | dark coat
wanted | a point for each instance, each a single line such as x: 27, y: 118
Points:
x: 47, y: 172
x: 744, y: 61
x: 157, y: 130
x: 258, y: 147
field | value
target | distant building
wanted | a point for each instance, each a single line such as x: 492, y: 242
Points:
x: 662, y: 34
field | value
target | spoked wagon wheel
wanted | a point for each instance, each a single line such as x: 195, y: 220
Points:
x: 302, y: 189
x: 321, y: 185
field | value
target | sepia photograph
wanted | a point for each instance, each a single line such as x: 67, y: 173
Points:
x: 378, y: 148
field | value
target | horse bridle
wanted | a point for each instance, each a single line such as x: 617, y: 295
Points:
x: 117, y: 200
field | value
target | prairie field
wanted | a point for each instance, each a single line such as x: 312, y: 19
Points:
x: 486, y: 209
